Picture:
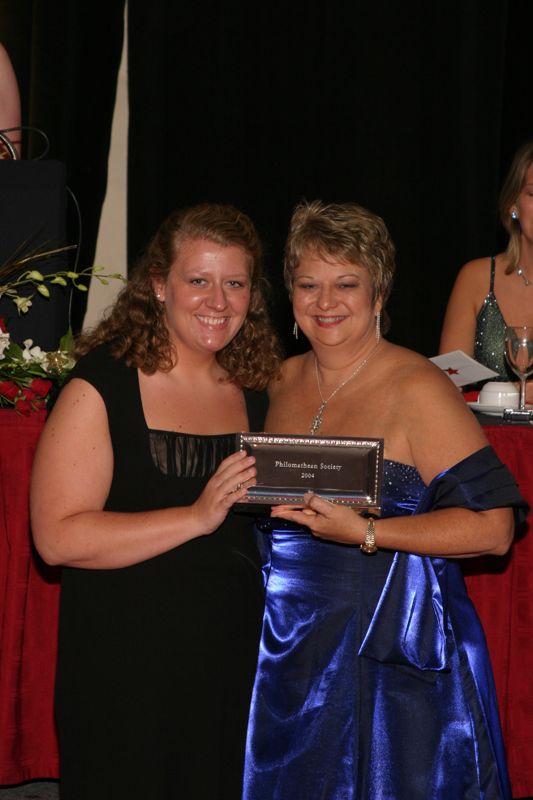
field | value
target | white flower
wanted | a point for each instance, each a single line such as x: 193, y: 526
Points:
x: 4, y: 343
x: 23, y: 304
x: 32, y: 353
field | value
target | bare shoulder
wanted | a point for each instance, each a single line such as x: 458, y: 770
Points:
x: 75, y: 444
x: 291, y: 373
x: 78, y: 416
x: 407, y: 363
x: 418, y: 382
x: 475, y: 275
x: 438, y: 426
x: 77, y: 393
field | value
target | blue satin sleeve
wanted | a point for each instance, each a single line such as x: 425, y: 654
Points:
x: 479, y: 482
x: 414, y: 583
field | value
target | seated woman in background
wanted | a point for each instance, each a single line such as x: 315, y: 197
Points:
x: 490, y: 293
x: 373, y: 678
x: 134, y: 480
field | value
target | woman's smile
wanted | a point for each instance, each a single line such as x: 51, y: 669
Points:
x: 328, y: 322
x: 216, y: 322
x: 333, y: 301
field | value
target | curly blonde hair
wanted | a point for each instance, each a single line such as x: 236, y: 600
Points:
x: 512, y: 186
x: 347, y: 232
x: 135, y: 328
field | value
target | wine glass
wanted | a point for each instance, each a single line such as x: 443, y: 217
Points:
x: 519, y: 353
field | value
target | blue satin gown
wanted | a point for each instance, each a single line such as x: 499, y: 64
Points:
x: 373, y: 680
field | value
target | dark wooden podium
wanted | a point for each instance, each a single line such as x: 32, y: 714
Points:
x: 32, y: 219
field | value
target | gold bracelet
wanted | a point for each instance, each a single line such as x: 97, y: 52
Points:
x: 369, y: 545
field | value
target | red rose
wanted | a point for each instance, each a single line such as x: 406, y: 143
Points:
x: 3, y: 327
x: 8, y: 389
x: 27, y: 394
x: 23, y: 407
x: 41, y: 386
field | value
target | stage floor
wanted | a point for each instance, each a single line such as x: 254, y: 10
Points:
x: 34, y: 790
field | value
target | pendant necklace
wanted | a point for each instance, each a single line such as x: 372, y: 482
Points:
x: 317, y: 421
x: 522, y: 274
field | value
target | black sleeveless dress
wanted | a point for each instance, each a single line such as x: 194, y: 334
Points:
x: 156, y: 661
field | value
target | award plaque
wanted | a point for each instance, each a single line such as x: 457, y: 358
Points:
x: 341, y: 469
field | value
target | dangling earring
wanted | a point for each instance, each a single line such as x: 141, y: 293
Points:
x: 378, y: 326
x: 295, y: 330
x: 514, y: 214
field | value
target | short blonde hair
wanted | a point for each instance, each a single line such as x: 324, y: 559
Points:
x: 344, y: 231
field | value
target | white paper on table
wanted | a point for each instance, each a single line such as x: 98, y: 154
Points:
x: 462, y: 369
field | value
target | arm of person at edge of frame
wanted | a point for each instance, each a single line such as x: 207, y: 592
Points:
x: 9, y: 100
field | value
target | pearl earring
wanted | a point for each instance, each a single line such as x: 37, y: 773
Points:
x: 514, y: 214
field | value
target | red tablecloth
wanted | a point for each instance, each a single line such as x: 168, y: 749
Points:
x: 501, y: 588
x: 29, y: 598
x: 502, y: 591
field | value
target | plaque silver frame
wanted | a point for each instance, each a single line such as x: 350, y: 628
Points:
x: 361, y: 489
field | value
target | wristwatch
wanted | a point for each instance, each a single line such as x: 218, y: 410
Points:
x: 369, y: 545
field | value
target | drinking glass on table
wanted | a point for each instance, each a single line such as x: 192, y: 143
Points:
x: 519, y: 354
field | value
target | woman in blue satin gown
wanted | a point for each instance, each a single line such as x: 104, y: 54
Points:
x: 373, y: 679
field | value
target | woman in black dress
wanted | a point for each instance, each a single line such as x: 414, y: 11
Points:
x: 134, y: 482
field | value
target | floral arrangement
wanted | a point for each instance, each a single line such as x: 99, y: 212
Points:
x: 28, y: 374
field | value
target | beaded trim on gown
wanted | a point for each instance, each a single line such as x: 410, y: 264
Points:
x: 490, y: 333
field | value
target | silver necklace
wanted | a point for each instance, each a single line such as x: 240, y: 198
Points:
x: 317, y: 420
x: 522, y: 274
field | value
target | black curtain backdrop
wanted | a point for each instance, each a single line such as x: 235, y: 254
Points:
x: 66, y: 55
x: 411, y: 109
